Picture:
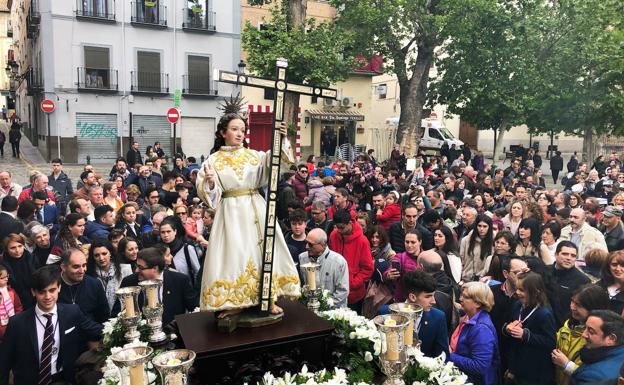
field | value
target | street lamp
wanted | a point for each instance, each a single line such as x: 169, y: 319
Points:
x: 7, y: 69
x: 241, y: 67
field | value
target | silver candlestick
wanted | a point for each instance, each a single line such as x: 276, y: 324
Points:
x: 412, y: 311
x: 130, y: 310
x: 174, y: 365
x: 153, y: 310
x: 393, y: 358
x: 313, y: 288
x: 131, y: 363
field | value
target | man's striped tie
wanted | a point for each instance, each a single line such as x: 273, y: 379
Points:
x: 45, y: 369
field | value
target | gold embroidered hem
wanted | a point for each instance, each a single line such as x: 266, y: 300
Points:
x: 224, y: 294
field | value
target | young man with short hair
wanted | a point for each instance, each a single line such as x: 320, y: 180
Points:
x: 431, y: 326
x: 33, y: 348
x: 296, y: 236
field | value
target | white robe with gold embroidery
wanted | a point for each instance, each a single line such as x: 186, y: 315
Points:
x: 232, y: 267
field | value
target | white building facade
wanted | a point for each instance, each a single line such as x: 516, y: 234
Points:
x: 114, y: 67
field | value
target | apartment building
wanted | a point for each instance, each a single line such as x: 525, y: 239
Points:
x: 113, y: 68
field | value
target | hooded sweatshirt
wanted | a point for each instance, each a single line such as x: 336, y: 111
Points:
x: 391, y: 213
x: 356, y: 251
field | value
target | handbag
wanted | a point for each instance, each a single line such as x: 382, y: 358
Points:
x: 377, y: 295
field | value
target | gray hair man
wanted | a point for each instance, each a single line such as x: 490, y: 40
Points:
x: 584, y: 236
x: 334, y: 272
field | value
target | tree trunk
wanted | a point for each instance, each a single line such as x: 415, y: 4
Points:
x: 297, y: 10
x: 499, y: 142
x: 589, y: 147
x: 413, y: 97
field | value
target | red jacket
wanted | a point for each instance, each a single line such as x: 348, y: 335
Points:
x: 332, y: 210
x: 25, y: 194
x: 356, y: 251
x: 391, y: 213
x: 300, y: 187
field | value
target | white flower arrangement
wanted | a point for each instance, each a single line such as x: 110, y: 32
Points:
x: 425, y: 370
x: 359, y: 327
x: 324, y: 377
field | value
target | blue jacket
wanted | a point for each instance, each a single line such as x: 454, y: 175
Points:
x: 605, y: 371
x: 96, y: 230
x: 529, y: 358
x: 476, y: 353
x: 433, y: 334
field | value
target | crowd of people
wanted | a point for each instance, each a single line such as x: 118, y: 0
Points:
x: 519, y: 283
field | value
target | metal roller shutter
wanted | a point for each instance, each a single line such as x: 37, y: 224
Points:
x: 198, y: 136
x: 149, y: 129
x: 97, y: 137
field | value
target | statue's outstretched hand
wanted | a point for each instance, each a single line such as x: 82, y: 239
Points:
x: 210, y: 175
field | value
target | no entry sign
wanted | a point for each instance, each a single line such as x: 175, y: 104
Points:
x: 47, y: 106
x: 173, y: 115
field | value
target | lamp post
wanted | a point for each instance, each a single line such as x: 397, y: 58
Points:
x: 241, y: 67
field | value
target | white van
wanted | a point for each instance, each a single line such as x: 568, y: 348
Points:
x: 434, y: 134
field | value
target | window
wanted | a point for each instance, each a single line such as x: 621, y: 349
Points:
x: 382, y: 91
x: 147, y: 11
x: 95, y: 8
x: 435, y: 134
x: 199, y: 16
x: 198, y: 74
x: 148, y: 71
x: 97, y: 67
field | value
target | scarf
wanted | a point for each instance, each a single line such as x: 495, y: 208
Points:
x: 6, y: 306
x: 457, y: 333
x: 591, y: 356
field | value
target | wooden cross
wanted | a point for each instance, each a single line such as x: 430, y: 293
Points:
x: 281, y: 86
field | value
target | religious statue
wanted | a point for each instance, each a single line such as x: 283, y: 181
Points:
x: 228, y: 181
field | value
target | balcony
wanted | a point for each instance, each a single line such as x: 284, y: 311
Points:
x: 149, y: 83
x: 33, y: 13
x: 9, y: 29
x: 199, y: 86
x: 102, y: 11
x: 101, y: 80
x: 196, y: 19
x: 148, y: 14
x: 34, y: 81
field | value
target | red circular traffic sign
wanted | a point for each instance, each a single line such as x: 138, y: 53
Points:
x: 47, y: 106
x: 173, y: 115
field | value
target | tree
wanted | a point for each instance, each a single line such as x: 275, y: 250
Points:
x: 315, y: 51
x: 551, y: 65
x: 406, y: 33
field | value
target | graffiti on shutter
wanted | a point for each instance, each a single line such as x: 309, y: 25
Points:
x: 149, y: 129
x: 97, y: 138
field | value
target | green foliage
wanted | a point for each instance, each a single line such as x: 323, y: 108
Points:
x: 550, y: 65
x: 315, y: 51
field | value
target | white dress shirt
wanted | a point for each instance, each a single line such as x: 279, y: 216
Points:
x: 41, y: 321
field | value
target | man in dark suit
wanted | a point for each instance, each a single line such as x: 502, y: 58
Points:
x: 8, y: 222
x: 178, y: 296
x: 42, y: 344
x: 47, y: 214
x: 431, y: 327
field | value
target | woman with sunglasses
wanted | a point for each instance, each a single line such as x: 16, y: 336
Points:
x: 613, y: 281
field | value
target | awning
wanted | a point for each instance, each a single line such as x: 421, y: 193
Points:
x: 335, y: 115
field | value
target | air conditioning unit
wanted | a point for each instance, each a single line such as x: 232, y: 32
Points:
x: 329, y: 102
x: 347, y: 101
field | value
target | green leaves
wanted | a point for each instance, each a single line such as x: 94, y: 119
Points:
x: 315, y: 51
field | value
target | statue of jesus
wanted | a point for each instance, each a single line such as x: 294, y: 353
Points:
x: 228, y: 181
